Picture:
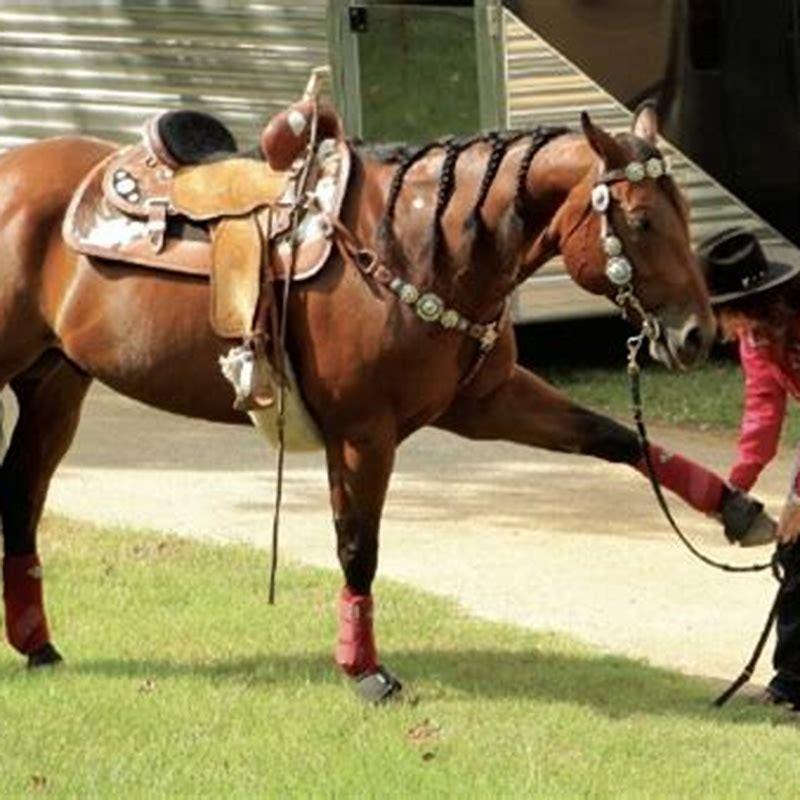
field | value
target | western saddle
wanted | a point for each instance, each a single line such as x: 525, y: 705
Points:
x: 185, y: 200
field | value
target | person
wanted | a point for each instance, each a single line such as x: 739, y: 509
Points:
x: 757, y: 304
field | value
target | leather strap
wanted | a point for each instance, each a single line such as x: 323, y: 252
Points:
x: 157, y: 224
x: 368, y: 263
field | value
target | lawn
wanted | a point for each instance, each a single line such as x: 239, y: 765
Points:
x: 707, y: 397
x: 586, y: 359
x: 181, y: 681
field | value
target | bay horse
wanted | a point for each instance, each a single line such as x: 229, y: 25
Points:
x: 466, y: 219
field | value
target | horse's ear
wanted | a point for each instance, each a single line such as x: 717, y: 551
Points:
x: 601, y: 142
x: 645, y: 122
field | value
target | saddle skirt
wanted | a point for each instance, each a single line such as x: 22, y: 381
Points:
x: 221, y: 221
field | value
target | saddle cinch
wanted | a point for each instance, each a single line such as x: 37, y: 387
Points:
x: 185, y: 200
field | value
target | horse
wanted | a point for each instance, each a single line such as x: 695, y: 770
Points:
x: 460, y: 222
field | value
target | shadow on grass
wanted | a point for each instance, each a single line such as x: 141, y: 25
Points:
x: 614, y: 686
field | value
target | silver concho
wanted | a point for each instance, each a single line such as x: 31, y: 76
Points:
x: 449, y: 319
x: 601, y: 198
x: 429, y: 307
x: 654, y: 167
x: 409, y: 294
x: 612, y: 246
x: 619, y: 271
x: 635, y: 172
x: 125, y: 185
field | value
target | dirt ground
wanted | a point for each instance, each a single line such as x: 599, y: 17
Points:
x: 547, y: 541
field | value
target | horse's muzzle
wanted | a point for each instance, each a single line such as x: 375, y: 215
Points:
x: 684, y: 346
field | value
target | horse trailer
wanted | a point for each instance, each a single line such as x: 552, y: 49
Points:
x: 723, y: 72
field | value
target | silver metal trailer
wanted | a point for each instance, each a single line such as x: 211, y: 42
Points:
x: 103, y: 66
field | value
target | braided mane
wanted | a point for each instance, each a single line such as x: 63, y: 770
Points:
x: 405, y: 157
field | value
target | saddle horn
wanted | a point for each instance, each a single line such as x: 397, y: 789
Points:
x: 287, y: 133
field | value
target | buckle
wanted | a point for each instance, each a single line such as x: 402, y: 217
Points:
x: 365, y: 260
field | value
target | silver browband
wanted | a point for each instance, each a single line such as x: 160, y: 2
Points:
x: 619, y: 269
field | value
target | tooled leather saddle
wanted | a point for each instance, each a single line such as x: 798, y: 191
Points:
x: 185, y: 200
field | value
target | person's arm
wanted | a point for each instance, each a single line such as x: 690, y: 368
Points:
x: 762, y: 418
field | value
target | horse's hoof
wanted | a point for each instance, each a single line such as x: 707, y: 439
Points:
x: 761, y: 531
x: 46, y: 656
x: 746, y: 523
x: 378, y: 687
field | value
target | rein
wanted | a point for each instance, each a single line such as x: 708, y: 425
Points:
x: 634, y: 373
x: 300, y: 202
x: 620, y: 272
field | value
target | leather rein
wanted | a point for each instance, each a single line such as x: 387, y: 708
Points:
x: 620, y: 272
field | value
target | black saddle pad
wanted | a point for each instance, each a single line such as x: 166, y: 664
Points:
x: 193, y: 137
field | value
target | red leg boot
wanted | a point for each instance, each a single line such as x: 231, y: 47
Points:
x: 742, y: 516
x: 26, y: 624
x: 356, y: 653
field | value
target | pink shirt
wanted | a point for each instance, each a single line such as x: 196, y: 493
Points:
x: 770, y: 375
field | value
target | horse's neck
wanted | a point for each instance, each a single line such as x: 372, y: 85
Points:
x: 438, y: 239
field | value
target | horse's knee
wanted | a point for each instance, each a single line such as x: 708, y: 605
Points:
x: 604, y: 438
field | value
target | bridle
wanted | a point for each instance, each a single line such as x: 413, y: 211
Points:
x: 619, y: 270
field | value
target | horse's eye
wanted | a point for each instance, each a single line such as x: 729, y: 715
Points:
x: 640, y: 223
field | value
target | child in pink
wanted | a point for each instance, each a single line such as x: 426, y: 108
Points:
x: 757, y: 301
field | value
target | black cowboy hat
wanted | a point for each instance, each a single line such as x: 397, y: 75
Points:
x: 735, y: 264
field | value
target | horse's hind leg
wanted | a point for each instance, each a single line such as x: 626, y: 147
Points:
x: 49, y: 395
x: 527, y: 410
x: 358, y: 469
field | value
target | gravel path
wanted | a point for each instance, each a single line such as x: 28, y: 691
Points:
x: 548, y: 541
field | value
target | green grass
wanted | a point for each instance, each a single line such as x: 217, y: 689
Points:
x: 709, y: 398
x: 182, y: 682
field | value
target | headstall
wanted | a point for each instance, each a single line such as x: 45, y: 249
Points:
x: 619, y: 268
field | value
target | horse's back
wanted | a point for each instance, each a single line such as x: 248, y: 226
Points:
x: 37, y: 180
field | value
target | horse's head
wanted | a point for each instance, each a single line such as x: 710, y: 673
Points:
x: 624, y: 233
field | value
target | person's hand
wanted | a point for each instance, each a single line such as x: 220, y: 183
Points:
x: 789, y: 523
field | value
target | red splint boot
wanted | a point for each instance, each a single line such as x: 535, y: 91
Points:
x: 702, y: 489
x: 355, y: 651
x: 26, y: 624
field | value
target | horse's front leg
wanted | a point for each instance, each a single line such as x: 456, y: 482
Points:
x: 527, y: 410
x: 359, y: 467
